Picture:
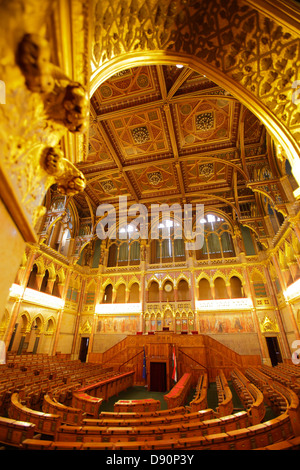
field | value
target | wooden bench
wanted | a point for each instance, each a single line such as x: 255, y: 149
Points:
x: 251, y: 397
x: 13, y: 432
x: 199, y: 401
x: 225, y: 404
x: 46, y: 423
x: 138, y: 432
x: 247, y: 438
x: 68, y: 415
x: 151, y: 420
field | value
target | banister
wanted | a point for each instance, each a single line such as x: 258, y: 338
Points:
x: 130, y: 359
x: 190, y: 357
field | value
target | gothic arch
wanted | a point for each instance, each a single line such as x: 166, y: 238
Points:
x: 120, y: 281
x: 39, y: 319
x: 182, y: 276
x: 132, y: 281
x: 235, y: 273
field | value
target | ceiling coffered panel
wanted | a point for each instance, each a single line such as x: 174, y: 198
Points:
x: 163, y: 133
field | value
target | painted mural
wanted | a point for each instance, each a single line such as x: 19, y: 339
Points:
x: 226, y: 323
x: 128, y: 324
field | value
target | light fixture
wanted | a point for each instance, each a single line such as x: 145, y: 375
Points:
x: 179, y: 66
x: 292, y: 291
x: 109, y: 309
x: 225, y: 304
x: 36, y: 297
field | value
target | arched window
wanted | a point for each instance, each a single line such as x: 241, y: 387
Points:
x: 204, y: 290
x: 112, y: 255
x: 236, y: 288
x: 56, y: 290
x: 123, y: 253
x: 168, y: 248
x: 168, y: 291
x: 134, y: 293
x: 183, y: 290
x: 214, y: 246
x: 121, y: 294
x: 217, y: 238
x: 107, y: 297
x: 220, y: 288
x: 45, y: 282
x: 32, y: 278
x: 153, y: 292
x: 135, y: 253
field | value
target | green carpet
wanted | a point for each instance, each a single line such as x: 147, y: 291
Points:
x: 140, y: 393
x: 134, y: 393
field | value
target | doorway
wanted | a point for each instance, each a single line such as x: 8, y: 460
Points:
x: 158, y: 377
x: 83, y: 349
x: 274, y: 351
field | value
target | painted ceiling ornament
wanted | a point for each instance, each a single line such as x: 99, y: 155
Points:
x: 143, y: 80
x: 155, y: 178
x: 108, y: 186
x: 140, y: 135
x: 204, y: 121
x: 206, y: 169
x: 106, y: 91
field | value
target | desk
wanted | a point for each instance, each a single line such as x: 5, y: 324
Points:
x: 137, y: 405
x: 178, y: 394
x: 108, y: 387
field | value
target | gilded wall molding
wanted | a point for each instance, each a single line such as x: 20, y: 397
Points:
x: 41, y: 105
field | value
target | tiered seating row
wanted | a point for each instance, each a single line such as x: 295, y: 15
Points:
x: 68, y: 415
x: 251, y: 397
x: 137, y: 405
x: 144, y: 419
x: 34, y: 376
x: 281, y: 398
x: 89, y: 405
x: 46, y: 423
x: 176, y: 428
x: 246, y: 438
x: 286, y: 377
x: 225, y: 404
x: 54, y: 413
x: 199, y: 401
x: 142, y: 432
x: 271, y: 395
x: 14, y: 432
x: 178, y: 394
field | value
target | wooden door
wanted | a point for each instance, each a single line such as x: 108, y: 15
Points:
x: 158, y: 378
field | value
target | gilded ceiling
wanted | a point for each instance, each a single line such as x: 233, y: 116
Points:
x: 169, y: 134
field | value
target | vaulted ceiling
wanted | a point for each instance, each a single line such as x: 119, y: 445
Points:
x: 169, y: 134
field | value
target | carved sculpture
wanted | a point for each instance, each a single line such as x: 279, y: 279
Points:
x: 66, y: 102
x: 33, y: 57
x: 68, y: 106
x: 69, y: 179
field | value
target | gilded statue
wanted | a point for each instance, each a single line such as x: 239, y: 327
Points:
x: 65, y: 102
x: 69, y: 179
